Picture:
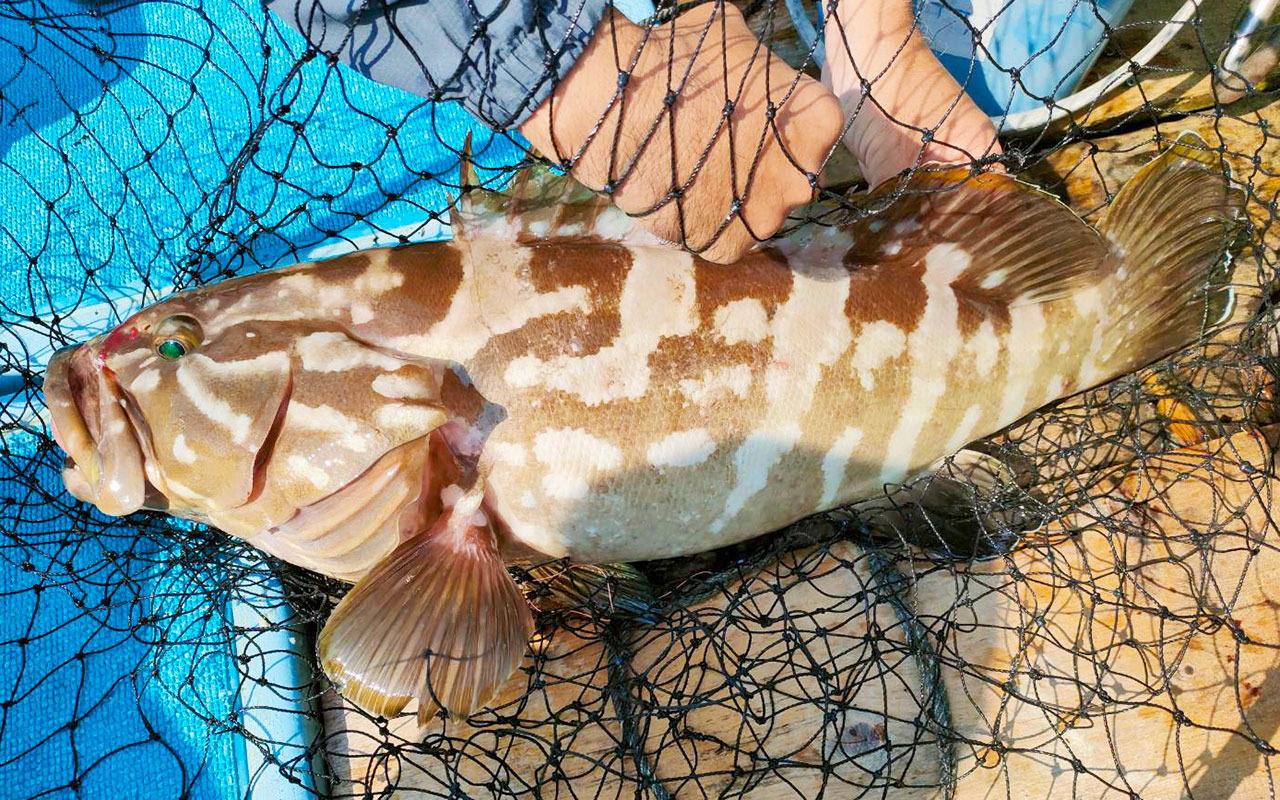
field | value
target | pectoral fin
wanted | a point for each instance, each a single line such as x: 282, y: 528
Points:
x: 440, y: 619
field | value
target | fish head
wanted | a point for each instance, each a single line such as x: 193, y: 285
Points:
x: 215, y: 411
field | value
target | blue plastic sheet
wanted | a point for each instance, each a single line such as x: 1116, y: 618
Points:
x: 158, y: 142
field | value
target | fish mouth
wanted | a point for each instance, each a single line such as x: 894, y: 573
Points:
x: 90, y: 422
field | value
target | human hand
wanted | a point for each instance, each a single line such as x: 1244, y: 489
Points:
x: 707, y: 57
x: 910, y: 91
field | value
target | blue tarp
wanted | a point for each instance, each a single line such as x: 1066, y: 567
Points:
x: 127, y: 665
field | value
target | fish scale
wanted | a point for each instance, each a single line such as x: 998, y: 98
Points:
x: 554, y: 383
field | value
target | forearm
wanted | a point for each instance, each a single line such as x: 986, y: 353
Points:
x: 500, y: 58
x: 877, y: 41
x: 581, y: 106
x: 893, y: 90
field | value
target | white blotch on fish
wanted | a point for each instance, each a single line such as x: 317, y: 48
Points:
x: 302, y: 466
x: 217, y: 409
x: 330, y: 351
x: 754, y: 459
x: 877, y: 343
x: 681, y: 449
x: 146, y: 381
x: 717, y: 382
x: 328, y: 420
x: 576, y: 459
x: 984, y: 346
x: 508, y: 453
x: 409, y: 417
x: 402, y: 387
x: 743, y: 320
x: 182, y: 451
x: 835, y: 463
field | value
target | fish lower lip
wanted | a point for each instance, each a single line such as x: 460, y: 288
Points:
x: 57, y: 437
x: 76, y: 484
x: 70, y: 428
x: 76, y: 391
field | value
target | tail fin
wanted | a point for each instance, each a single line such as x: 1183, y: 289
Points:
x: 1171, y: 225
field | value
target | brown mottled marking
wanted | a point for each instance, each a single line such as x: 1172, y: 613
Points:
x: 686, y: 357
x: 432, y: 274
x: 764, y: 275
x: 894, y: 292
x: 599, y: 266
x: 976, y: 304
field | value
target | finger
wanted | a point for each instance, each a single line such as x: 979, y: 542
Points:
x: 810, y: 122
x: 732, y: 244
x: 807, y: 126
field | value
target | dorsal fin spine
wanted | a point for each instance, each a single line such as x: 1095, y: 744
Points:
x: 460, y: 208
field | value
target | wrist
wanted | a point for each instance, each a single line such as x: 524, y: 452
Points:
x: 874, y: 41
x: 582, y: 100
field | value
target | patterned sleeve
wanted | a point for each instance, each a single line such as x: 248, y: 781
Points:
x: 500, y: 58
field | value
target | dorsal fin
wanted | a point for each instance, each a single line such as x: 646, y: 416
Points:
x: 538, y: 204
x: 1013, y: 243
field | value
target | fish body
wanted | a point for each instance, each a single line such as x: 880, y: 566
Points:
x: 550, y: 383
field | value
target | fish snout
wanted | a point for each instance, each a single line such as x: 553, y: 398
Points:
x: 104, y: 462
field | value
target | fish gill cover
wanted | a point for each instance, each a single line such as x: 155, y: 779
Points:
x: 1082, y: 605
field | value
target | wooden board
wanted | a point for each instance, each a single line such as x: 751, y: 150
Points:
x: 1106, y: 641
x: 1177, y: 80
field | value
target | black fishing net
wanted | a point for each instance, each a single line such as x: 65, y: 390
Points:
x: 1080, y: 606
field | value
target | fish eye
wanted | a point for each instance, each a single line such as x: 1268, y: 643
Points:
x: 177, y: 336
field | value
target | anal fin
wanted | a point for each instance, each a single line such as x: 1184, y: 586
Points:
x: 440, y: 620
x: 605, y: 590
x: 969, y: 505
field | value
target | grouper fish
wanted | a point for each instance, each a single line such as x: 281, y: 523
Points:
x: 551, y: 384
